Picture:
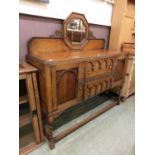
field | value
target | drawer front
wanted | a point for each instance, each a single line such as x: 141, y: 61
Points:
x: 98, y: 67
x: 95, y: 87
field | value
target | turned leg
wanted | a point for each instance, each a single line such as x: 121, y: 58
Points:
x: 49, y: 133
x: 119, y: 96
x: 123, y: 99
x: 50, y: 136
x: 119, y: 99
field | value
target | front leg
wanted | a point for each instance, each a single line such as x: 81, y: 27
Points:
x: 49, y: 132
x: 119, y: 95
x: 50, y: 136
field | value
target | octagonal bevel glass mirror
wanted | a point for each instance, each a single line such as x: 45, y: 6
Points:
x: 76, y: 31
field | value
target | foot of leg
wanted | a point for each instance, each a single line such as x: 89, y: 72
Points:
x: 50, y: 137
x: 123, y: 99
x: 51, y: 143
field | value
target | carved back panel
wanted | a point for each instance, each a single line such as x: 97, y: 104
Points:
x: 95, y: 44
x: 38, y: 45
x: 46, y: 45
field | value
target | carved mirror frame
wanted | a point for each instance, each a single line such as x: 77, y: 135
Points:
x: 81, y: 44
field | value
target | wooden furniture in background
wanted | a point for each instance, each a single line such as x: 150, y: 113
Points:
x: 122, y: 37
x: 123, y: 24
x: 129, y: 81
x: 30, y: 123
x: 71, y: 73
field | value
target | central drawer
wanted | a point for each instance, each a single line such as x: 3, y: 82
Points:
x: 98, y: 67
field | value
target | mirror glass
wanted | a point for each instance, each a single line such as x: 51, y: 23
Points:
x: 76, y: 31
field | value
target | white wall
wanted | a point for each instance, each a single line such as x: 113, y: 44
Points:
x: 96, y: 11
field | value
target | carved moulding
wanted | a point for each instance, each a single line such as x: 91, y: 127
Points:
x: 97, y: 66
x: 96, y: 87
x: 58, y: 34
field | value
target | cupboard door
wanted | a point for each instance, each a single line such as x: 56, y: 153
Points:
x: 68, y: 85
x: 67, y: 82
x: 129, y: 80
x: 118, y: 71
x: 132, y: 82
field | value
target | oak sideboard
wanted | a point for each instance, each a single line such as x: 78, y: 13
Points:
x: 72, y: 70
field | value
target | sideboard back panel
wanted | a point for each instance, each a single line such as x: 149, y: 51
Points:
x: 50, y: 45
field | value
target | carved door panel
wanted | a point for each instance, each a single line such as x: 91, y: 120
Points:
x: 119, y: 71
x: 132, y: 82
x: 129, y: 80
x: 68, y: 85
